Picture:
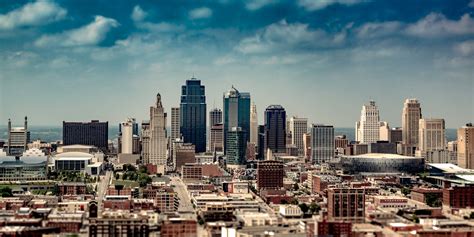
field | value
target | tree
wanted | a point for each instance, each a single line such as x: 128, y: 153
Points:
x: 314, y: 208
x: 295, y: 186
x: 471, y: 216
x: 119, y: 187
x: 117, y: 176
x: 405, y: 191
x: 433, y: 200
x: 284, y: 201
x: 6, y: 191
x: 415, y: 219
x: 304, y: 208
x: 294, y: 201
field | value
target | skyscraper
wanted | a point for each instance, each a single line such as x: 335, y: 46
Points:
x: 157, y: 153
x: 145, y: 140
x: 216, y: 138
x: 367, y: 129
x: 215, y: 117
x: 275, y: 129
x: 261, y: 142
x: 236, y: 147
x: 193, y: 114
x: 465, y: 146
x: 384, y: 131
x: 236, y: 112
x: 298, y: 127
x: 18, y: 139
x: 126, y: 136
x: 92, y: 133
x: 175, y: 133
x: 322, y: 143
x: 253, y: 125
x: 431, y: 135
x: 411, y: 115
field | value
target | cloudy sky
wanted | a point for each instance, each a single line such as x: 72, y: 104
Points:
x: 321, y: 59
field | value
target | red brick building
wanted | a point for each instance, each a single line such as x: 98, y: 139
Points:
x: 346, y: 203
x: 177, y: 227
x: 270, y: 174
x: 420, y: 194
x: 459, y: 197
x: 72, y: 188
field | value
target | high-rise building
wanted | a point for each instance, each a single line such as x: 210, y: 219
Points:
x: 215, y: 117
x: 145, y: 141
x: 175, y: 133
x: 158, y: 140
x: 298, y: 127
x: 254, y: 125
x: 346, y: 204
x: 182, y: 153
x: 270, y: 174
x: 395, y: 135
x: 261, y: 143
x: 432, y: 136
x: 322, y: 143
x: 126, y: 136
x: 465, y: 146
x: 18, y: 139
x: 193, y: 114
x: 411, y: 115
x: 92, y: 133
x: 134, y: 127
x: 307, y: 145
x: 275, y: 129
x: 341, y: 141
x: 367, y: 129
x: 384, y: 131
x: 236, y: 147
x: 216, y: 138
x: 236, y: 112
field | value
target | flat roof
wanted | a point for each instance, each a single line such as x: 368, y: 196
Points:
x: 383, y: 155
x: 74, y: 154
x: 450, y: 168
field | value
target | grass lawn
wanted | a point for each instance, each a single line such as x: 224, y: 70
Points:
x: 127, y: 183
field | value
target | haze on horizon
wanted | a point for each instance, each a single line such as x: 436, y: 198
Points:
x: 63, y: 60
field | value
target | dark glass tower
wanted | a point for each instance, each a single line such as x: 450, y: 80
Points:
x: 236, y: 112
x: 193, y: 114
x: 275, y: 129
x: 93, y: 133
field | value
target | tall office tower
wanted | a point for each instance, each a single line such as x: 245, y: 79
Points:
x: 92, y: 133
x: 261, y: 143
x: 307, y: 145
x: 396, y: 135
x: 158, y: 140
x: 236, y: 147
x: 322, y: 143
x: 134, y: 126
x: 346, y: 204
x: 126, y: 136
x: 384, y: 131
x: 193, y: 114
x: 298, y: 127
x: 215, y: 117
x: 431, y: 136
x: 253, y: 124
x: 216, y: 138
x: 145, y: 141
x: 174, y: 124
x: 270, y: 174
x: 18, y: 139
x: 367, y: 129
x: 275, y: 129
x: 236, y: 112
x: 465, y: 146
x: 411, y: 115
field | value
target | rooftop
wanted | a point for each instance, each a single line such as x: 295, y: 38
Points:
x: 383, y: 155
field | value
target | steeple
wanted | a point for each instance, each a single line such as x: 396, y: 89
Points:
x: 158, y: 101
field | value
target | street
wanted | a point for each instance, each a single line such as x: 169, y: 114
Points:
x: 102, y: 189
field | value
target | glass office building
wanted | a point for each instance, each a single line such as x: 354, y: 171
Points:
x: 193, y: 114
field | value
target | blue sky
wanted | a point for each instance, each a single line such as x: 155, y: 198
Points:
x: 82, y: 60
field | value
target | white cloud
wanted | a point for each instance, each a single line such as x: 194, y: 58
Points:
x: 32, y: 14
x: 313, y: 5
x: 465, y: 48
x: 378, y: 29
x: 285, y: 36
x: 91, y: 34
x: 224, y: 60
x: 20, y: 59
x: 471, y: 4
x: 257, y: 4
x: 437, y: 25
x: 138, y: 14
x: 200, y: 13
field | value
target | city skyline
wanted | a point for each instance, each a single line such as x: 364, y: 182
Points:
x: 338, y: 51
